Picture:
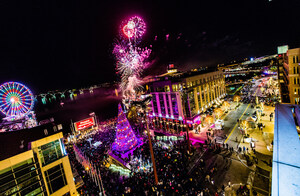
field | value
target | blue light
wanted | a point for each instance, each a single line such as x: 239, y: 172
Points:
x: 251, y: 59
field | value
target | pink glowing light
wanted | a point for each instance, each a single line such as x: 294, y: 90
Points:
x: 130, y: 64
x: 167, y: 36
x: 131, y: 59
x: 135, y: 27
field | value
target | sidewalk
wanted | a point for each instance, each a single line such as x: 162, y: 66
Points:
x: 265, y: 137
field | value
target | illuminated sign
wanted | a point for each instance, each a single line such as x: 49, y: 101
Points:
x: 189, y: 122
x: 172, y: 71
x: 282, y: 49
x: 86, y: 123
x: 169, y: 138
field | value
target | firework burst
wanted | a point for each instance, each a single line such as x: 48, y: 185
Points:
x: 130, y: 58
x: 134, y: 28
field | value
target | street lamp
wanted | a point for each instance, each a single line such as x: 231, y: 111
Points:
x: 188, y: 137
x: 151, y: 151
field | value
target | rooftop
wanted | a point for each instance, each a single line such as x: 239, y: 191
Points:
x: 15, y: 142
x: 286, y: 151
x: 181, y: 75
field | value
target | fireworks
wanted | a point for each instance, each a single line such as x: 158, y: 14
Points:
x: 134, y: 28
x: 130, y: 58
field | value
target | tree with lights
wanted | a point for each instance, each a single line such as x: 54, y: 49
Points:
x: 125, y: 137
x: 237, y: 98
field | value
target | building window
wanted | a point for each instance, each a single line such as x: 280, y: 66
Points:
x: 294, y: 70
x: 155, y: 107
x: 297, y: 70
x: 55, y: 178
x: 192, y: 103
x: 297, y: 60
x: 293, y: 59
x: 21, y: 179
x: 162, y: 104
x: 168, y: 106
x: 174, y: 87
x: 51, y: 152
x: 167, y: 88
x: 174, y: 105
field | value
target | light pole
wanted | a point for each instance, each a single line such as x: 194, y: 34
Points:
x: 151, y: 150
x: 187, y: 135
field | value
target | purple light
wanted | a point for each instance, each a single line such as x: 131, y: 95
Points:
x: 125, y: 137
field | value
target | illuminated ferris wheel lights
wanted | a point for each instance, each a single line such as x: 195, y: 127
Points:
x: 15, y: 99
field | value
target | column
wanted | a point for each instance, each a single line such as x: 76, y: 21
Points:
x: 204, y: 94
x: 170, y: 104
x: 158, y: 104
x: 165, y: 103
x: 201, y: 102
x: 196, y: 98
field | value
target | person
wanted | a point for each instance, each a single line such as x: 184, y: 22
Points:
x: 207, y: 178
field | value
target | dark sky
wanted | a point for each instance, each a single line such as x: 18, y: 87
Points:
x: 67, y: 44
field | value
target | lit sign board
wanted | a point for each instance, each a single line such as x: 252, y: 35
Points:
x: 169, y: 138
x: 171, y: 66
x: 282, y: 49
x: 86, y: 123
x: 172, y: 71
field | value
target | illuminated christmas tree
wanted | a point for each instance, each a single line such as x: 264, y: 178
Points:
x: 125, y: 137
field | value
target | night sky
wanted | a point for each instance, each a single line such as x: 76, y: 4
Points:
x: 51, y: 45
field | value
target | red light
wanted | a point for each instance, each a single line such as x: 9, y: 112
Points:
x: 84, y: 124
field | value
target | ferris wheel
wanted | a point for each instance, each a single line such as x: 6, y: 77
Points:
x: 15, y: 99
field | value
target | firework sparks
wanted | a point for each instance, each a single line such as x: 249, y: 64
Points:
x: 130, y: 58
x: 135, y: 27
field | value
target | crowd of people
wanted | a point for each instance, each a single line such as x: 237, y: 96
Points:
x: 174, y: 171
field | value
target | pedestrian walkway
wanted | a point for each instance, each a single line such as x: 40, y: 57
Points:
x: 262, y: 137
